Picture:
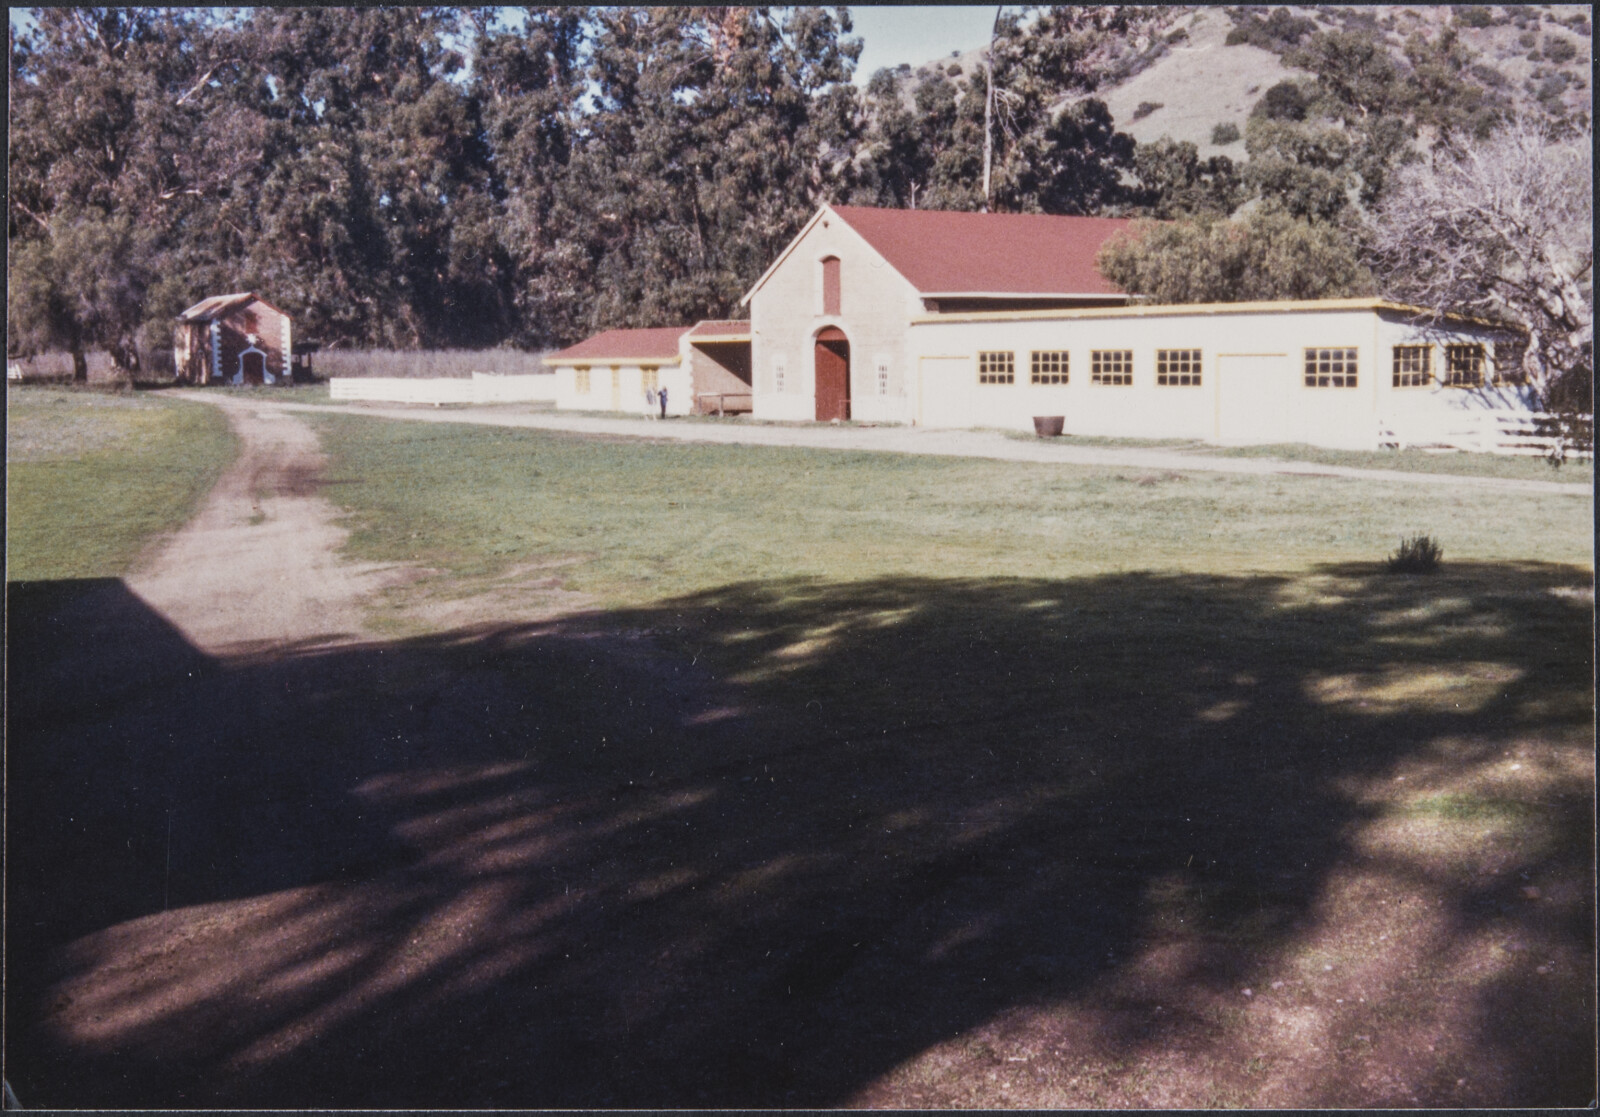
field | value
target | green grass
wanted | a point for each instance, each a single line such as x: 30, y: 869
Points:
x: 292, y: 393
x: 92, y: 477
x: 1420, y: 461
x: 896, y: 746
x: 1454, y: 463
x: 641, y: 521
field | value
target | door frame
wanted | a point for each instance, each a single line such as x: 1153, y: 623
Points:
x: 822, y: 342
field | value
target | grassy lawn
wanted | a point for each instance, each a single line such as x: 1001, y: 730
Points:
x: 1406, y: 461
x: 293, y: 393
x: 638, y: 522
x: 868, y: 780
x: 1420, y: 461
x: 92, y: 477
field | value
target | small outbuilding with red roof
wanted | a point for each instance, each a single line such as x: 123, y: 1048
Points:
x: 704, y: 368
x: 234, y: 339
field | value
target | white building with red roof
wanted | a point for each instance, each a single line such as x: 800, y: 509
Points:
x: 705, y: 368
x: 992, y: 320
x: 952, y: 319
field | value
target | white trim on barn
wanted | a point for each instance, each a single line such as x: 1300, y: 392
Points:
x: 216, y: 350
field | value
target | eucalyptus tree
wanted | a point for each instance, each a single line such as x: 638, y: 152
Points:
x: 715, y: 132
x: 1048, y: 147
x: 372, y: 215
x: 528, y: 85
x: 112, y: 112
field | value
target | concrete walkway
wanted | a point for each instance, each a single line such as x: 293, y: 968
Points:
x: 904, y: 440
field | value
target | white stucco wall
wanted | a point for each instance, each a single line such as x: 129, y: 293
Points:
x: 1252, y: 387
x: 876, y: 303
x: 628, y: 395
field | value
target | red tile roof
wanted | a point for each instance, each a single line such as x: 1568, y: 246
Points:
x: 722, y: 327
x: 660, y: 344
x: 218, y: 305
x: 948, y: 252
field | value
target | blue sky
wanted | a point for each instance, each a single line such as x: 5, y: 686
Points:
x: 890, y: 34
x: 916, y: 34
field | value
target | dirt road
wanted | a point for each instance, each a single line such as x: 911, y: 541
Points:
x: 258, y: 566
x: 912, y: 440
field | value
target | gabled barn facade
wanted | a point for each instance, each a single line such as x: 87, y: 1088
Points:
x: 830, y: 319
x: 234, y: 339
x: 945, y: 319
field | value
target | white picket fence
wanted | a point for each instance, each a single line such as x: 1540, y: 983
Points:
x: 1489, y: 432
x: 484, y: 387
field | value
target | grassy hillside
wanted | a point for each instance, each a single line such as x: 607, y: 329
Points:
x: 1537, y: 53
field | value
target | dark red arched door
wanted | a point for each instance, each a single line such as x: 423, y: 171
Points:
x: 833, y: 375
x: 255, y: 367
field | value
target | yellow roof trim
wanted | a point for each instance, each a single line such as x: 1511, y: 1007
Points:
x: 698, y: 338
x: 621, y: 362
x: 1172, y: 310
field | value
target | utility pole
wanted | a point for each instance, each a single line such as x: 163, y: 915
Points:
x: 988, y: 107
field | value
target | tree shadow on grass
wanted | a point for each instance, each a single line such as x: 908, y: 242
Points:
x: 762, y: 846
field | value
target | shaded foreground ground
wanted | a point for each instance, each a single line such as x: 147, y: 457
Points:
x: 912, y: 842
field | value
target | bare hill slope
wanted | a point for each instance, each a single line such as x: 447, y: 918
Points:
x: 1196, y: 79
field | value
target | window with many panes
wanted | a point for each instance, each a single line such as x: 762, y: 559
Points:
x: 1178, y: 367
x: 1413, y: 366
x: 1463, y: 366
x: 651, y: 378
x: 1111, y: 366
x: 1508, y: 357
x: 1330, y: 368
x: 997, y: 368
x: 1049, y: 367
x: 581, y: 386
x: 881, y: 368
x: 780, y: 369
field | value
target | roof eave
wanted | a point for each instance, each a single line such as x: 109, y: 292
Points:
x: 1028, y: 295
x: 556, y: 359
x: 1154, y: 310
x: 784, y: 255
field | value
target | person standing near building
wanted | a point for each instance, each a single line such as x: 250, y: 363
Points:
x: 661, y: 393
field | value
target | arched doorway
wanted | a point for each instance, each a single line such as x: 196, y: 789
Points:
x: 253, y: 366
x: 833, y: 375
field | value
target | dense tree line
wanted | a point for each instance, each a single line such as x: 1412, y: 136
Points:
x: 443, y: 177
x: 450, y: 177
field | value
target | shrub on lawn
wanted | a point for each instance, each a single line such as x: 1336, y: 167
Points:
x: 1145, y: 109
x: 1225, y: 133
x: 1418, y: 554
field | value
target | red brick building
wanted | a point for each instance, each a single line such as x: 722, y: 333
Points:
x: 234, y: 339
